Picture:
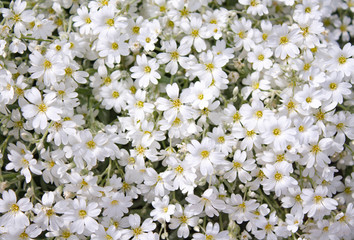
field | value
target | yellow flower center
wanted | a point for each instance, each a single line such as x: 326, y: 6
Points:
x: 315, y: 149
x: 68, y: 71
x: 209, y: 67
x: 179, y: 169
x: 306, y: 66
x: 82, y: 213
x: 19, y: 91
x: 176, y: 103
x: 176, y: 122
x: 184, y: 12
x: 58, y: 47
x: 49, y: 212
x: 140, y: 149
x: 47, y: 64
x: 14, y: 208
x: 17, y: 18
x: 115, y: 94
x: 110, y: 22
x: 115, y: 46
x: 290, y: 105
x: 301, y: 128
x: 23, y: 235
x: 333, y: 86
x: 280, y: 157
x: 236, y: 117
x: 162, y: 8
x: 259, y: 114
x: 340, y: 126
x: 42, y: 107
x: 241, y: 35
x: 195, y: 33
x: 57, y: 125
x: 342, y: 59
x: 91, y: 144
x: 200, y: 96
x: 209, y: 237
x: 318, y: 199
x: 305, y: 31
x: 254, y: 3
x: 268, y: 227
x: 237, y: 165
x: 278, y: 176
x: 66, y: 234
x: 147, y: 69
x: 204, y: 154
x: 343, y: 28
x: 307, y: 10
x: 284, y: 40
x: 137, y: 231
x: 183, y: 219
x: 264, y: 36
x: 88, y: 20
x: 170, y: 24
x: 139, y: 104
x: 136, y: 29
x: 276, y: 131
x: 250, y: 133
x: 174, y: 55
x: 18, y: 124
x: 298, y: 198
x: 320, y: 115
x: 308, y: 99
x: 221, y: 139
x: 261, y: 57
x: 114, y: 202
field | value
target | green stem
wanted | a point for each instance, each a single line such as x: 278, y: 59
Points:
x: 44, y: 136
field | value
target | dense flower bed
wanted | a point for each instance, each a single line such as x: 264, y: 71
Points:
x: 172, y: 119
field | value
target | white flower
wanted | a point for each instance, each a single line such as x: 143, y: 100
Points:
x: 162, y: 209
x: 278, y: 178
x: 208, y: 201
x: 260, y: 58
x: 204, y: 156
x: 240, y: 167
x: 211, y: 232
x: 284, y: 41
x: 13, y: 211
x: 341, y: 59
x: 116, y: 205
x: 82, y: 215
x: 181, y: 219
x: 243, y: 34
x: 255, y: 7
x: 195, y: 34
x: 19, y: 17
x: 48, y: 67
x: 334, y: 88
x: 175, y: 105
x: 111, y: 48
x: 23, y: 159
x: 316, y: 204
x: 146, y: 71
x: 46, y: 216
x: 137, y: 231
x: 173, y: 56
x: 278, y: 132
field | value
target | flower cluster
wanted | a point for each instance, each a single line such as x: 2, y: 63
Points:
x: 176, y: 119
